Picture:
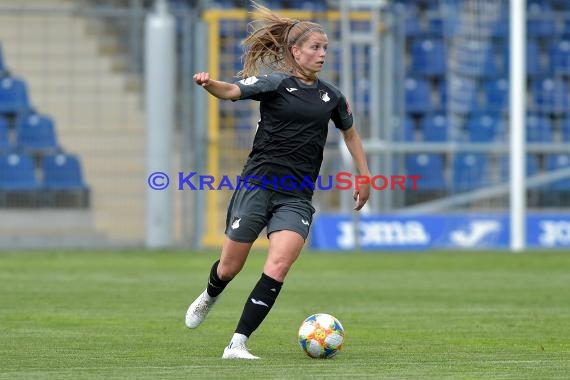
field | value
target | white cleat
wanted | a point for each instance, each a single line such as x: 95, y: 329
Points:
x: 199, y: 309
x: 239, y: 351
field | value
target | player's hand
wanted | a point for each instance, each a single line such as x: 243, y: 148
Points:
x: 361, y: 196
x: 202, y: 79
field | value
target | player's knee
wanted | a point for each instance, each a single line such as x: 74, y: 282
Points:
x: 277, y: 268
x: 228, y: 271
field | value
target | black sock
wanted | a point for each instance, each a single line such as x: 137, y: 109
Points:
x: 215, y: 285
x: 258, y: 304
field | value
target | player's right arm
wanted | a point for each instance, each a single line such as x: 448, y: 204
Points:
x: 220, y: 89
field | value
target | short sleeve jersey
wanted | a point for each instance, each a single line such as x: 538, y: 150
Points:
x: 292, y: 130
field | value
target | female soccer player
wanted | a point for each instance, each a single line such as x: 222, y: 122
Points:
x: 296, y: 107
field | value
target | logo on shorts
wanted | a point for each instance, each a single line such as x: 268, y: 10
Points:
x: 305, y: 222
x: 235, y: 224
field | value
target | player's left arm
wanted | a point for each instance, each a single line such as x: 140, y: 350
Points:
x: 354, y: 145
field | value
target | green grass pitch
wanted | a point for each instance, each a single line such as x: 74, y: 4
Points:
x: 120, y: 315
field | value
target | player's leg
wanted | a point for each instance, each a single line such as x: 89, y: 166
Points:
x: 284, y: 248
x: 232, y: 259
x: 287, y: 233
x: 244, y: 221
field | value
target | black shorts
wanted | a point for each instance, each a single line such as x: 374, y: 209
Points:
x: 252, y: 210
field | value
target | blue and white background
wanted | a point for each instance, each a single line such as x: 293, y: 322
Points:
x: 377, y: 232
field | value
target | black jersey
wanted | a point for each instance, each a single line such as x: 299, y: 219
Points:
x: 292, y: 130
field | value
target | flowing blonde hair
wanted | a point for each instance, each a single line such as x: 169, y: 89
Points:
x: 270, y: 40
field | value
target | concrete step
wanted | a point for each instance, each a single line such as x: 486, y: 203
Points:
x: 61, y: 86
x: 60, y: 68
x: 46, y: 44
x: 95, y: 144
x: 91, y: 109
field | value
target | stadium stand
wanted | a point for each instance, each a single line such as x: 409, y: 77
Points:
x: 455, y: 93
x: 462, y: 57
x: 28, y: 147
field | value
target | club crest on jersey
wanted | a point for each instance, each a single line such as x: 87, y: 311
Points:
x: 324, y: 96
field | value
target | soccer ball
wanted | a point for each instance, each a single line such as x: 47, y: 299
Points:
x: 321, y: 336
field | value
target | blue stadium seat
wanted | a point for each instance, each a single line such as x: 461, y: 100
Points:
x: 550, y: 95
x: 558, y: 161
x: 559, y: 56
x: 428, y: 57
x: 35, y: 133
x: 63, y: 184
x: 538, y: 128
x: 438, y: 127
x: 17, y: 172
x: 469, y: 171
x: 4, y: 135
x: 62, y: 172
x: 485, y: 127
x: 13, y: 95
x: 541, y: 21
x: 431, y: 167
x: 475, y: 58
x: 417, y: 96
x: 459, y: 95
